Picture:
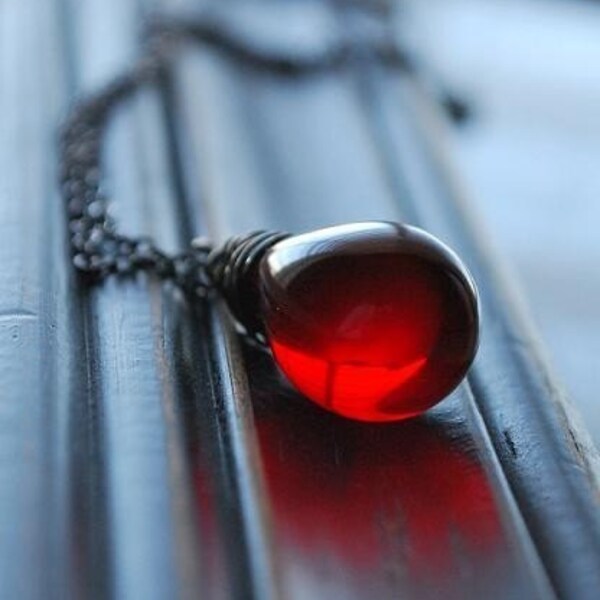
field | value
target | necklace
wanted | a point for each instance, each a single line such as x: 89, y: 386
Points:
x: 375, y: 321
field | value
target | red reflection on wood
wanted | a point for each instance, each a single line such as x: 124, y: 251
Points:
x: 409, y: 494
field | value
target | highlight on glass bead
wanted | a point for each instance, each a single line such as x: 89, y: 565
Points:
x: 374, y: 321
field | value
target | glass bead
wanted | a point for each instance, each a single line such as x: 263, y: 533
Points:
x: 373, y: 321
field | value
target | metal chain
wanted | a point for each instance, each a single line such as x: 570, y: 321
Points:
x: 98, y: 249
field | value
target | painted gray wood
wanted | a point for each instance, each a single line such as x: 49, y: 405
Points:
x: 147, y: 452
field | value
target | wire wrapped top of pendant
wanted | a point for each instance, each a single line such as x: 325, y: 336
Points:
x: 233, y: 270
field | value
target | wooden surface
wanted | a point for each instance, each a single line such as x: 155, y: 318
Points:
x: 146, y: 453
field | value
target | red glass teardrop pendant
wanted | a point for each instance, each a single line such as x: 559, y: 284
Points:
x: 374, y: 321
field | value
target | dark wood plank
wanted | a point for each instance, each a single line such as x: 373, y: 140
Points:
x: 251, y: 546
x: 350, y: 506
x: 125, y: 378
x: 160, y: 497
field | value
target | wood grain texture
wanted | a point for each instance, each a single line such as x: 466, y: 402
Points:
x: 146, y: 452
x: 37, y: 341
